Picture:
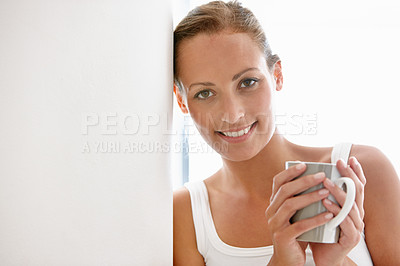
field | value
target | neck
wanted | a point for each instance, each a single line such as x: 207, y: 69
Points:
x: 255, y: 175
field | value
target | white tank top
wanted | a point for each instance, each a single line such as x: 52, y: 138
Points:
x: 217, y: 253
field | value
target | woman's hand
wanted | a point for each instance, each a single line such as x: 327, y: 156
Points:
x: 284, y: 204
x: 352, y: 226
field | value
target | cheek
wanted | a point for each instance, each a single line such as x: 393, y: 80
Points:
x: 263, y: 111
x: 261, y: 104
x: 204, y: 121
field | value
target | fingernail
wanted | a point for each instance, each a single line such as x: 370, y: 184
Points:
x: 328, y: 215
x: 300, y: 166
x: 355, y: 161
x: 319, y: 175
x: 323, y: 191
x: 329, y: 182
x: 328, y: 202
x: 343, y: 163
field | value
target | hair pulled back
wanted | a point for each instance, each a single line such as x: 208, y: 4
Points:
x: 218, y: 16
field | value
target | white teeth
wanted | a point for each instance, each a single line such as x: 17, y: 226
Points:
x: 237, y: 133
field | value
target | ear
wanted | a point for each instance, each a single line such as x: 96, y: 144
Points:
x: 179, y: 99
x: 278, y: 75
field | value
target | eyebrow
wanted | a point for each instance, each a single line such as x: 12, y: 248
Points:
x: 235, y: 77
x: 201, y: 83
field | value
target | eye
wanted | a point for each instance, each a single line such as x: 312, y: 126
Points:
x: 204, y: 94
x: 248, y: 83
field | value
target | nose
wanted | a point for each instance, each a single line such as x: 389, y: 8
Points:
x: 232, y: 110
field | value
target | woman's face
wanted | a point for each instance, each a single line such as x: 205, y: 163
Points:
x: 228, y: 93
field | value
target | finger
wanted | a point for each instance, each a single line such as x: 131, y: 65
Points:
x: 354, y: 213
x: 349, y: 236
x: 336, y: 191
x: 286, y: 176
x: 356, y: 166
x: 340, y: 197
x: 348, y: 172
x: 290, y: 206
x: 302, y: 226
x: 290, y: 189
x: 351, y: 227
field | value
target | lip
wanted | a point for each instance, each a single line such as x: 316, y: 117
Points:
x: 238, y: 139
x: 236, y: 129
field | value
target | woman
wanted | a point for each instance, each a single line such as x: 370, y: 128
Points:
x: 226, y: 78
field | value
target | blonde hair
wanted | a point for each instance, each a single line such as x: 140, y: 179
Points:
x: 218, y: 16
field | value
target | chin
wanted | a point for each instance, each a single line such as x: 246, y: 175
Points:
x: 238, y: 155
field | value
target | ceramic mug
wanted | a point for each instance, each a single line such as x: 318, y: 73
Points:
x: 329, y: 232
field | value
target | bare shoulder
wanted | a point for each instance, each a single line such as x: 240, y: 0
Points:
x: 367, y: 153
x: 181, y: 199
x: 379, y: 172
x: 376, y: 166
x: 185, y: 246
x: 381, y: 204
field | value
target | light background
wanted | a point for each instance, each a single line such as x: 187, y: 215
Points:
x: 61, y: 204
x: 340, y: 64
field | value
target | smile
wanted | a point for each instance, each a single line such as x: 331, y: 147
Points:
x: 238, y: 133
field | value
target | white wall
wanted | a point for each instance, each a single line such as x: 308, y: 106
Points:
x: 75, y: 74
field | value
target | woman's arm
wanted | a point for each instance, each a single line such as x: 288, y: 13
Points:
x: 381, y: 205
x: 185, y: 247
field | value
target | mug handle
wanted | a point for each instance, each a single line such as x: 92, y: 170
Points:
x: 348, y: 203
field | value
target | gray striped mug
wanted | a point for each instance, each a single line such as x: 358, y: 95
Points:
x: 329, y: 232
